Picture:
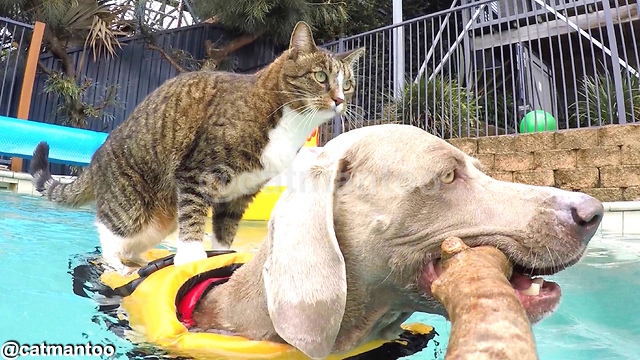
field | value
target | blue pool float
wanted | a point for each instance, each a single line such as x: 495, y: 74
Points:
x: 67, y: 145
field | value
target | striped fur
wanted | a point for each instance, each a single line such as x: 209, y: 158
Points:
x: 203, y: 139
x: 77, y: 193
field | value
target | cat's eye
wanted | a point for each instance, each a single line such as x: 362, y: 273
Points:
x: 448, y: 177
x: 320, y: 76
x: 347, y: 85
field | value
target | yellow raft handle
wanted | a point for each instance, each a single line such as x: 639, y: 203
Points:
x: 155, y: 265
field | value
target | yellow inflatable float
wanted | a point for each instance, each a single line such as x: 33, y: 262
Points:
x: 265, y: 200
x: 160, y: 297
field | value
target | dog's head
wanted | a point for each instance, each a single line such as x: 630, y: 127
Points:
x: 361, y: 233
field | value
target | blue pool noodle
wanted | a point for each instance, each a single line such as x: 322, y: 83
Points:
x: 67, y: 145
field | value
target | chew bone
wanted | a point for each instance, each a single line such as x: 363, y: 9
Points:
x: 487, y: 319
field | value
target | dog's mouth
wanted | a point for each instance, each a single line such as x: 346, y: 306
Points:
x: 538, y: 296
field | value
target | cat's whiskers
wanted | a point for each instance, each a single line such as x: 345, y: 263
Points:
x: 353, y: 116
x: 358, y: 109
x: 309, y: 117
x: 316, y: 104
x: 309, y: 109
x: 289, y: 102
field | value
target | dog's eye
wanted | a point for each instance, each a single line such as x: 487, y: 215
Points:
x: 448, y: 178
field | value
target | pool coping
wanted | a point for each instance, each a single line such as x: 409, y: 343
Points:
x: 21, y: 182
x: 620, y: 216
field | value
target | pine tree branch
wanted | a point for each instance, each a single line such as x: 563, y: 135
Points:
x: 216, y: 55
x: 169, y: 58
x: 59, y: 51
x: 45, y: 69
x: 109, y: 99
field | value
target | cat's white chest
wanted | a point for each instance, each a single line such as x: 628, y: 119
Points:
x: 282, y: 147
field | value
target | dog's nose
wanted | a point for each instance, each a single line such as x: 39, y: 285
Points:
x: 587, y: 213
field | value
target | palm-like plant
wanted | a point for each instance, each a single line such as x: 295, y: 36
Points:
x: 92, y: 23
x: 96, y: 25
x: 253, y: 19
x: 600, y: 104
x: 439, y: 105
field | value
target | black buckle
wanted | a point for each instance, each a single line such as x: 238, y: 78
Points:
x: 155, y: 265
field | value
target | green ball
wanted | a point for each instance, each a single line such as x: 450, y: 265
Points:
x: 534, y: 121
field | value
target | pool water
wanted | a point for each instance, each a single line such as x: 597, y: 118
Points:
x: 41, y: 244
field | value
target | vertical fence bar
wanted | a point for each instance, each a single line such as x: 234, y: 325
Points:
x: 632, y: 29
x: 368, y: 114
x: 5, y: 30
x: 411, y: 101
x: 15, y: 64
x: 398, y: 52
x: 595, y: 70
x: 615, y: 63
x: 384, y: 99
x: 361, y: 41
x: 627, y: 78
x: 460, y: 70
x: 417, y: 114
x: 433, y: 114
x: 554, y: 95
x: 426, y: 83
x: 451, y: 91
x: 28, y: 81
x: 390, y: 62
x: 399, y: 79
x: 337, y: 120
x: 375, y: 85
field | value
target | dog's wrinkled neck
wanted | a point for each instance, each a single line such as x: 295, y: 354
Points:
x: 239, y: 306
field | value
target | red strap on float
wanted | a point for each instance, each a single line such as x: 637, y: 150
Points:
x: 188, y: 303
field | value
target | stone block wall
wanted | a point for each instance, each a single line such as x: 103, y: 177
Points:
x: 602, y: 162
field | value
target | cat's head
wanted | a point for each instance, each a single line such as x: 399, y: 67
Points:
x: 316, y: 79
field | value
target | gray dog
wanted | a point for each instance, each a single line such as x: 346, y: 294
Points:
x: 353, y: 247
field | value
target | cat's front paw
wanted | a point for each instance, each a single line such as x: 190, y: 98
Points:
x: 187, y: 252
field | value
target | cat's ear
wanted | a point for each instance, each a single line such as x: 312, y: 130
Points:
x: 302, y: 40
x: 352, y: 56
x: 304, y: 275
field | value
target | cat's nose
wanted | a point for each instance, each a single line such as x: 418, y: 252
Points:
x: 338, y: 100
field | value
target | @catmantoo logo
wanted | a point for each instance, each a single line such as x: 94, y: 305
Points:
x: 12, y: 350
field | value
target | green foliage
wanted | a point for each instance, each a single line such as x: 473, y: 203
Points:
x: 274, y: 18
x: 365, y: 15
x: 440, y: 106
x: 600, y: 104
x: 72, y: 107
x: 92, y: 23
x: 500, y: 109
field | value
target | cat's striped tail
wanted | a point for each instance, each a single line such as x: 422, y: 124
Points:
x: 76, y: 193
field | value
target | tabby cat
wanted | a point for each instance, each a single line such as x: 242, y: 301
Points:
x: 204, y: 139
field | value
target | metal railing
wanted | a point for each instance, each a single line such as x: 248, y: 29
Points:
x: 15, y: 42
x: 15, y: 39
x: 547, y: 66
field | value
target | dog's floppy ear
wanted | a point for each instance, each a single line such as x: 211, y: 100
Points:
x: 304, y: 275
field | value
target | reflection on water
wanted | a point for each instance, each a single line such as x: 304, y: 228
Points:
x: 41, y: 244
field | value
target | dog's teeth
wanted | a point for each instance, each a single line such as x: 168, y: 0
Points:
x: 539, y: 281
x: 533, y: 290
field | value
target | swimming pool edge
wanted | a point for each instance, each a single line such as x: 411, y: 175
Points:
x: 620, y: 216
